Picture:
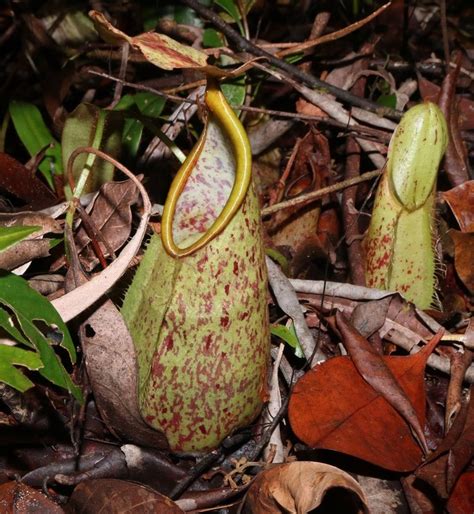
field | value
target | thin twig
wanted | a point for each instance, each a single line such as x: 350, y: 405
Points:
x: 289, y: 69
x: 321, y: 192
x: 333, y: 36
x: 205, y: 463
x: 444, y: 32
x: 378, y: 134
x: 253, y: 456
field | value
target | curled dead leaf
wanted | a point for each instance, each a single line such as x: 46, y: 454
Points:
x: 300, y: 487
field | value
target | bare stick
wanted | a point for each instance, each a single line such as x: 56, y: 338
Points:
x: 321, y: 192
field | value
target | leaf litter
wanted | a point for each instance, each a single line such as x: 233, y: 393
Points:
x: 394, y: 402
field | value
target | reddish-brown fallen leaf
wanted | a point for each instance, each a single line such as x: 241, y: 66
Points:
x: 456, y: 161
x: 17, y: 180
x: 373, y: 368
x: 443, y: 467
x: 112, y: 216
x: 118, y: 497
x: 420, y: 501
x: 461, y: 201
x: 464, y: 257
x: 16, y: 497
x: 461, y: 500
x: 300, y: 487
x: 333, y: 407
x: 297, y: 228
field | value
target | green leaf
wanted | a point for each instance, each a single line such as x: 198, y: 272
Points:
x: 35, y: 135
x: 88, y: 125
x: 7, y: 324
x: 11, y: 356
x: 288, y: 335
x: 149, y: 105
x: 31, y: 309
x: 10, y: 236
x: 279, y: 258
x: 234, y: 91
x: 230, y: 8
x: 388, y: 100
x: 211, y: 38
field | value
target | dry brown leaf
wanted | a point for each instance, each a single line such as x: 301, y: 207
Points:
x: 112, y: 216
x: 464, y: 257
x: 333, y: 407
x: 461, y: 201
x: 443, y: 467
x: 369, y: 317
x: 300, y: 487
x: 23, y: 252
x: 22, y: 183
x: 111, y: 365
x: 118, y: 497
x: 16, y: 497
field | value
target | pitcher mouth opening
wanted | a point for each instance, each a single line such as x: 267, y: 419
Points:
x: 211, y: 184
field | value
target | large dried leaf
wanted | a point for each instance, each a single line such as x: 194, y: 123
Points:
x: 24, y: 252
x: 430, y: 92
x: 300, y: 487
x: 456, y: 159
x: 17, y: 180
x: 333, y: 407
x: 112, y: 368
x: 158, y: 49
x: 16, y: 497
x: 118, y: 497
x: 296, y: 228
x: 111, y: 215
x: 374, y: 370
